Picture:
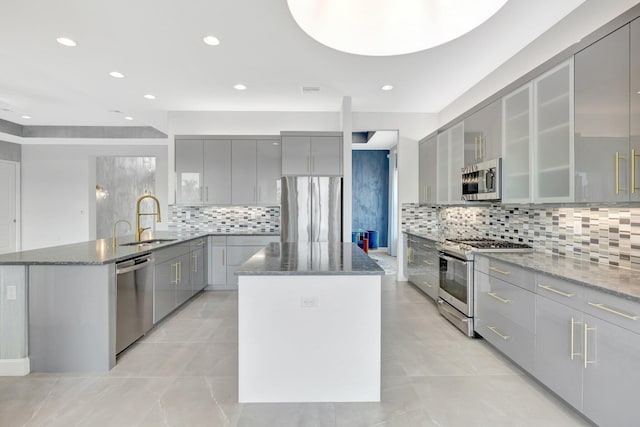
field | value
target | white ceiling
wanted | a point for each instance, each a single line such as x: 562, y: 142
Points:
x: 158, y: 45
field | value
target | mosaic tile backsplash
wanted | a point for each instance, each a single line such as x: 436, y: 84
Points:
x: 259, y: 219
x: 605, y: 235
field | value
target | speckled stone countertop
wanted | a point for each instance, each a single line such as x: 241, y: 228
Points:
x: 618, y: 281
x: 284, y: 259
x: 436, y: 237
x: 102, y: 251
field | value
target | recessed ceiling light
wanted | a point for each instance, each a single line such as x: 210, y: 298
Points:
x: 149, y: 96
x: 239, y: 86
x: 26, y: 117
x: 386, y: 87
x: 65, y: 41
x: 211, y: 40
x: 128, y: 118
x: 116, y: 74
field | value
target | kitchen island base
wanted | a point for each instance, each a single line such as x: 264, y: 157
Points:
x: 309, y: 338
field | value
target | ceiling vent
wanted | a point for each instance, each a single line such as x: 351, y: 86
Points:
x: 310, y: 90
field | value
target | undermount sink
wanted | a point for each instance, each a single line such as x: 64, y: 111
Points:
x: 148, y: 242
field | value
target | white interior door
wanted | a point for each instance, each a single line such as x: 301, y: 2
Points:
x: 8, y: 207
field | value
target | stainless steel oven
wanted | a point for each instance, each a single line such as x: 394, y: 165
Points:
x: 456, y: 291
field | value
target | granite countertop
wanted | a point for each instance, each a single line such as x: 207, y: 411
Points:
x: 618, y: 281
x: 436, y: 237
x: 310, y: 259
x: 101, y: 251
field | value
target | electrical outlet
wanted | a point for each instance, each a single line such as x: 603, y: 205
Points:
x: 309, y: 302
x: 11, y: 293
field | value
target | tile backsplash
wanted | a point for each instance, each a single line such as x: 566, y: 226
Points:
x: 260, y: 219
x: 605, y: 235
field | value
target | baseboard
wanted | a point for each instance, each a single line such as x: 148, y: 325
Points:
x: 15, y: 367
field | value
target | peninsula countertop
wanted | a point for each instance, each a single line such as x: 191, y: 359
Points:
x: 102, y: 251
x: 291, y: 259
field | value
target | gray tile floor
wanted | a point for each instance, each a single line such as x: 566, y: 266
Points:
x: 185, y: 374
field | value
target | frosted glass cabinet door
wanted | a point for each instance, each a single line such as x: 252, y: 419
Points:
x: 425, y: 164
x: 217, y: 172
x: 516, y: 151
x: 443, y: 167
x: 602, y: 120
x: 553, y: 132
x: 269, y: 164
x: 243, y: 172
x: 189, y: 172
x: 456, y: 162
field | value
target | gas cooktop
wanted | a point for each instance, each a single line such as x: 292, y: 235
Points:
x: 466, y: 247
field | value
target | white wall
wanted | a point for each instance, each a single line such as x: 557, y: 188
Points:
x: 588, y: 17
x: 58, y: 187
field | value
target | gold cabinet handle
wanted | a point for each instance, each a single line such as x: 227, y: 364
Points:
x: 195, y: 263
x: 179, y: 272
x: 427, y: 246
x: 427, y: 262
x: 411, y: 240
x: 555, y: 291
x: 618, y: 158
x: 475, y: 148
x: 497, y: 270
x: 499, y: 298
x: 586, y: 346
x: 427, y: 284
x: 495, y: 331
x: 175, y: 279
x: 612, y: 310
x: 573, y: 323
x: 633, y: 171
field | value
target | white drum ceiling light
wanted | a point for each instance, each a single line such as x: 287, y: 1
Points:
x: 389, y: 27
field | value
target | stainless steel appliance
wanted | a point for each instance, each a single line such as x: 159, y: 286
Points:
x: 134, y: 300
x: 311, y: 209
x: 456, y: 292
x: 482, y: 181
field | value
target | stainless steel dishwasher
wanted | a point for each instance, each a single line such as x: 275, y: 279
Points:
x: 134, y: 300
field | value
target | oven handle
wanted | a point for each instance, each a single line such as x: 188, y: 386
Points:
x: 452, y: 259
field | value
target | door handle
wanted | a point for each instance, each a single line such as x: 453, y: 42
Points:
x: 555, y: 291
x: 618, y: 158
x: 498, y: 297
x: 573, y: 323
x: 195, y: 263
x: 495, y: 331
x: 497, y: 270
x: 586, y: 346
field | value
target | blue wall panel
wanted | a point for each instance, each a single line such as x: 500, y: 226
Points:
x: 370, y: 170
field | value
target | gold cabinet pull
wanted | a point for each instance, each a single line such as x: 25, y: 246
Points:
x: 427, y: 284
x: 612, y: 310
x: 499, y: 298
x: 573, y: 323
x: 427, y: 262
x: 586, y: 334
x: 555, y: 291
x: 175, y: 276
x: 618, y: 158
x: 633, y: 171
x: 497, y: 270
x: 481, y: 149
x: 179, y: 272
x: 195, y: 263
x: 427, y: 246
x: 475, y: 148
x: 495, y: 331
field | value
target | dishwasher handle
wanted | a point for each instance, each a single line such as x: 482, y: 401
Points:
x: 134, y: 267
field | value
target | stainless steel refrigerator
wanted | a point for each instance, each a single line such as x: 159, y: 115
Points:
x: 311, y: 209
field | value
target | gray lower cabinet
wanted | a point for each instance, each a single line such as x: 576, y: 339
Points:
x: 198, y: 266
x: 423, y: 265
x: 164, y: 300
x: 217, y: 262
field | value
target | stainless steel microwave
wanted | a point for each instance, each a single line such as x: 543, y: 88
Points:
x: 482, y: 181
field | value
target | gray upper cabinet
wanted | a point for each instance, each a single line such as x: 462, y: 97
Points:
x: 602, y: 152
x: 311, y: 155
x: 427, y: 170
x: 189, y: 172
x: 243, y: 178
x: 635, y: 108
x: 217, y: 172
x: 483, y: 134
x: 269, y: 171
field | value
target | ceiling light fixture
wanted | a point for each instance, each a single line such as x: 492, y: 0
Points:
x: 116, y: 75
x: 391, y: 27
x: 26, y: 117
x: 128, y: 118
x: 211, y: 40
x: 239, y: 86
x: 149, y: 96
x: 386, y: 87
x: 65, y: 41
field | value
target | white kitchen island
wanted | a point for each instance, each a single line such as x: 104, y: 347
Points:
x: 309, y: 324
